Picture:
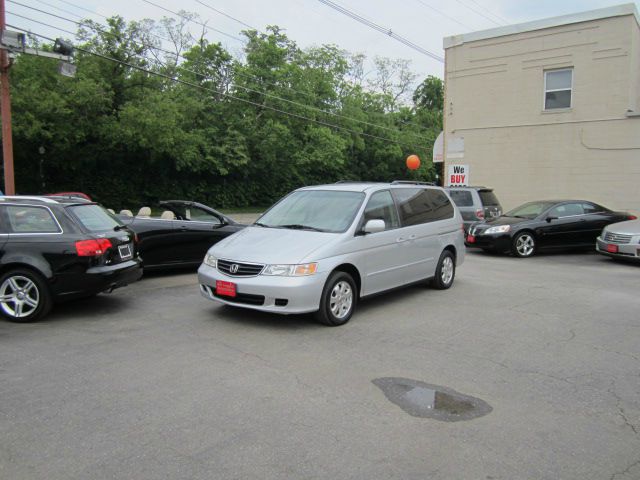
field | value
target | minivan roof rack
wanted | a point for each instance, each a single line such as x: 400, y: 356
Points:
x: 411, y: 182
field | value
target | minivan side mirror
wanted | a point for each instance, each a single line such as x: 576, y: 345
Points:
x: 374, y: 225
x: 550, y: 218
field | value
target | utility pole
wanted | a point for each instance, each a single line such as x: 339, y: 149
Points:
x: 14, y: 42
x: 5, y: 113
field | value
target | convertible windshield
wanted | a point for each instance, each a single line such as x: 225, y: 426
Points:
x: 529, y: 210
x: 316, y: 210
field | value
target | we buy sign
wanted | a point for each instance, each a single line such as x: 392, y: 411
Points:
x: 458, y: 176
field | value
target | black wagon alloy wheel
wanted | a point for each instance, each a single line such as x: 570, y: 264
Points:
x: 524, y: 245
x: 445, y: 271
x: 338, y: 300
x: 24, y: 297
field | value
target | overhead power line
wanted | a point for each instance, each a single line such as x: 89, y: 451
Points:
x: 191, y: 20
x: 40, y: 23
x: 493, y: 14
x: 85, y: 21
x: 233, y: 97
x: 381, y: 29
x: 444, y: 14
x: 56, y: 7
x: 226, y: 15
x: 83, y: 8
x: 478, y: 12
x: 264, y: 94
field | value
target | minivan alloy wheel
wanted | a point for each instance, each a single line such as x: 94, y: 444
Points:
x: 19, y: 296
x: 341, y: 299
x: 446, y: 273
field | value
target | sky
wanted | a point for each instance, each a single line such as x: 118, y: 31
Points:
x: 312, y: 23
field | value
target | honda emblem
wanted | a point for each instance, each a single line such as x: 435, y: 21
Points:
x: 234, y: 268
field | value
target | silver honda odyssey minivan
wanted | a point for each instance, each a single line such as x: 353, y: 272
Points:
x: 323, y: 248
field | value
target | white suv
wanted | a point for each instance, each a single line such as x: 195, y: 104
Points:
x: 322, y: 248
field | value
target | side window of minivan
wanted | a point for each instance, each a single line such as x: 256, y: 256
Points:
x: 422, y: 205
x: 381, y: 207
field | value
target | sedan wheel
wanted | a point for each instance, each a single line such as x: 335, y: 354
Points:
x: 338, y: 300
x: 524, y: 245
x: 23, y: 296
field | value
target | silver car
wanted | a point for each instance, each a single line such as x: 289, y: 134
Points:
x: 322, y: 248
x: 620, y: 240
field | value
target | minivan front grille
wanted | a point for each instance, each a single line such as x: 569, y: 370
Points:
x: 239, y: 269
x: 616, y: 237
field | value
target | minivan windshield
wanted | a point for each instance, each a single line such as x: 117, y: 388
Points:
x: 317, y: 210
x: 529, y: 210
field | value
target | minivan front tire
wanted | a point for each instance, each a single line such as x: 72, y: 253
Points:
x: 338, y: 300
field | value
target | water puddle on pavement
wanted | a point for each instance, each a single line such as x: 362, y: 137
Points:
x: 423, y: 400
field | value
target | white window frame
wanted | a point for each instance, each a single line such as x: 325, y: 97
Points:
x: 544, y: 93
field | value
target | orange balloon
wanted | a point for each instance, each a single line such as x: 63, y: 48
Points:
x: 413, y: 162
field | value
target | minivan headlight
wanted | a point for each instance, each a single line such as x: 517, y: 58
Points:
x: 210, y: 260
x: 291, y: 270
x: 498, y: 229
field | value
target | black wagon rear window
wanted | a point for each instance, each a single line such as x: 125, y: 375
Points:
x: 488, y: 198
x: 94, y: 218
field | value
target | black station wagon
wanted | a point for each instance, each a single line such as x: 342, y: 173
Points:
x: 60, y: 248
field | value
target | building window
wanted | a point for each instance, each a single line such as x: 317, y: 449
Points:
x: 557, y: 88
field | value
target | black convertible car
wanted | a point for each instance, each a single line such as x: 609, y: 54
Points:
x: 181, y: 235
x: 544, y: 225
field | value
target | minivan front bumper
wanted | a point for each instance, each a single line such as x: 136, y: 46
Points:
x: 277, y: 294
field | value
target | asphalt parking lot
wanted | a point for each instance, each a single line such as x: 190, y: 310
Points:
x: 155, y: 382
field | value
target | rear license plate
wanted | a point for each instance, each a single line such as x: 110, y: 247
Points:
x: 471, y: 239
x: 227, y: 289
x: 125, y: 251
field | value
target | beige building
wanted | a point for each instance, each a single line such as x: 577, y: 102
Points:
x: 548, y: 109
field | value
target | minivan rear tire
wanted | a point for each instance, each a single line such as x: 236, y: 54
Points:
x: 445, y: 271
x: 338, y: 300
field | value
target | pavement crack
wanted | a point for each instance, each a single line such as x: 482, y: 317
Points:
x: 621, y: 411
x: 573, y: 335
x: 626, y: 470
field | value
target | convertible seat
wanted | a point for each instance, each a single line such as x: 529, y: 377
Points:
x: 144, y: 212
x: 168, y: 215
x: 128, y: 213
